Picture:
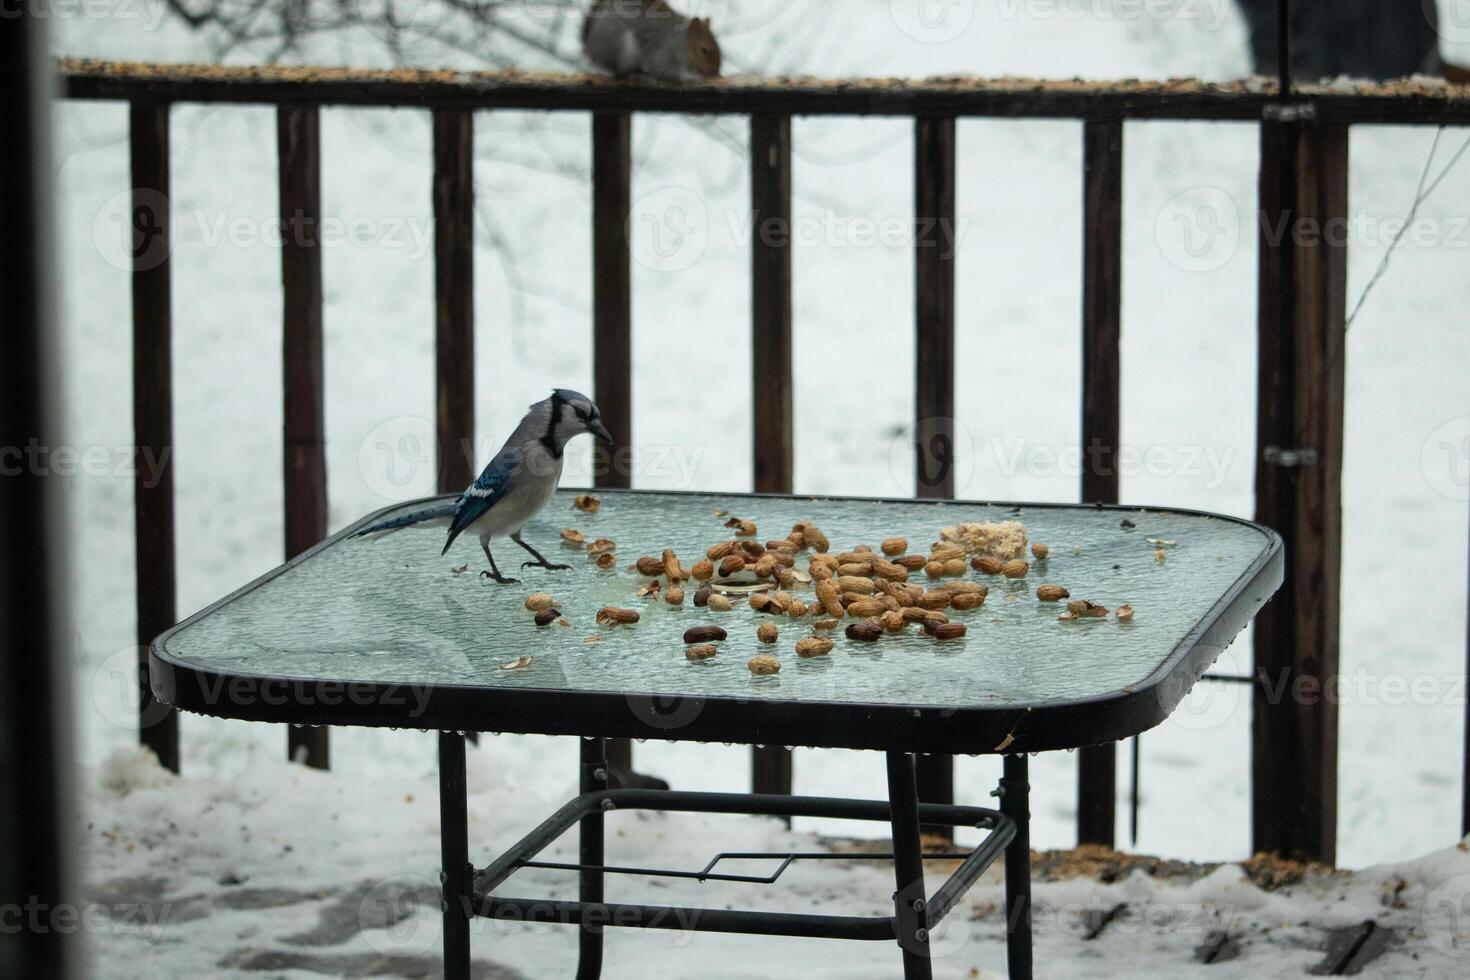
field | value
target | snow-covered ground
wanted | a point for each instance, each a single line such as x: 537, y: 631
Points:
x: 1188, y: 410
x: 286, y: 872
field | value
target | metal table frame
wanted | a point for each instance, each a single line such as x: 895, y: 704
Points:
x: 468, y: 890
x: 899, y: 730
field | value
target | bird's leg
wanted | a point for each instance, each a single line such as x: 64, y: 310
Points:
x: 540, y: 561
x: 494, y: 572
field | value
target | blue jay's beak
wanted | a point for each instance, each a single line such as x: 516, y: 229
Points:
x: 598, y: 430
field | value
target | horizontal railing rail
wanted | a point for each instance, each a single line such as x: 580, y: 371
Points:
x: 1421, y: 102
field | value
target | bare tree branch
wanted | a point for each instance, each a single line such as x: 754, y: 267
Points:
x: 497, y: 34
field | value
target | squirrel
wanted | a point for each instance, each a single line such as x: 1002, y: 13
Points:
x: 649, y: 37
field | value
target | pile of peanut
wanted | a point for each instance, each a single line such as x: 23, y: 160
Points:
x: 878, y: 592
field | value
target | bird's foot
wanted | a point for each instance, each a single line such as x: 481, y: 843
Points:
x: 500, y: 579
x: 547, y: 565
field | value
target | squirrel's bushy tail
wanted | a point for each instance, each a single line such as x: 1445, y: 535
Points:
x: 443, y: 512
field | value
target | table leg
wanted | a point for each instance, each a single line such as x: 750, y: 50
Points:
x: 593, y: 780
x: 454, y: 843
x: 1015, y: 791
x: 909, y: 900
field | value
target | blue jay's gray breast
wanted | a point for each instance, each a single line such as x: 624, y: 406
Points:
x: 530, y: 491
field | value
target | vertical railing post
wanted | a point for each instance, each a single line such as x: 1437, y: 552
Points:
x: 298, y: 152
x: 934, y: 430
x: 1102, y: 309
x: 454, y: 300
x: 454, y: 297
x: 612, y: 325
x: 771, y: 380
x: 612, y: 292
x: 771, y: 383
x: 1303, y: 299
x: 153, y: 489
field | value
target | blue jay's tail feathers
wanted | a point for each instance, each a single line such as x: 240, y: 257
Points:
x: 443, y: 512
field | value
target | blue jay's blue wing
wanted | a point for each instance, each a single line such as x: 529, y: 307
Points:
x: 484, y: 493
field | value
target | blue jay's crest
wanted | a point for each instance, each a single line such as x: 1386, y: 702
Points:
x: 573, y: 398
x: 566, y: 415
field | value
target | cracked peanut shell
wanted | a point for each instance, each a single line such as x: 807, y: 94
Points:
x: 813, y: 646
x: 613, y: 616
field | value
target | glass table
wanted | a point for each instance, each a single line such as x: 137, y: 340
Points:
x: 386, y: 632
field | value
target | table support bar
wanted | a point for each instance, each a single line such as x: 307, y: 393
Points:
x: 1015, y: 792
x: 909, y: 925
x: 456, y: 873
x: 910, y: 908
x: 590, y: 878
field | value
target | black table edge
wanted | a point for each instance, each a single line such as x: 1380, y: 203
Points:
x: 970, y: 730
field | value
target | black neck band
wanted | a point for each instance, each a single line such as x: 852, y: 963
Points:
x: 549, y: 440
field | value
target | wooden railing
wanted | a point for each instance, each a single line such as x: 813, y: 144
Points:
x: 1304, y: 173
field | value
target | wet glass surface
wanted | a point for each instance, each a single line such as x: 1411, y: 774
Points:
x: 391, y: 610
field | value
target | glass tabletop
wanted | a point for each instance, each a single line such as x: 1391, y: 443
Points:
x: 391, y: 610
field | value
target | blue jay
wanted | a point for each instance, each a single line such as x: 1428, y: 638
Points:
x: 517, y: 483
